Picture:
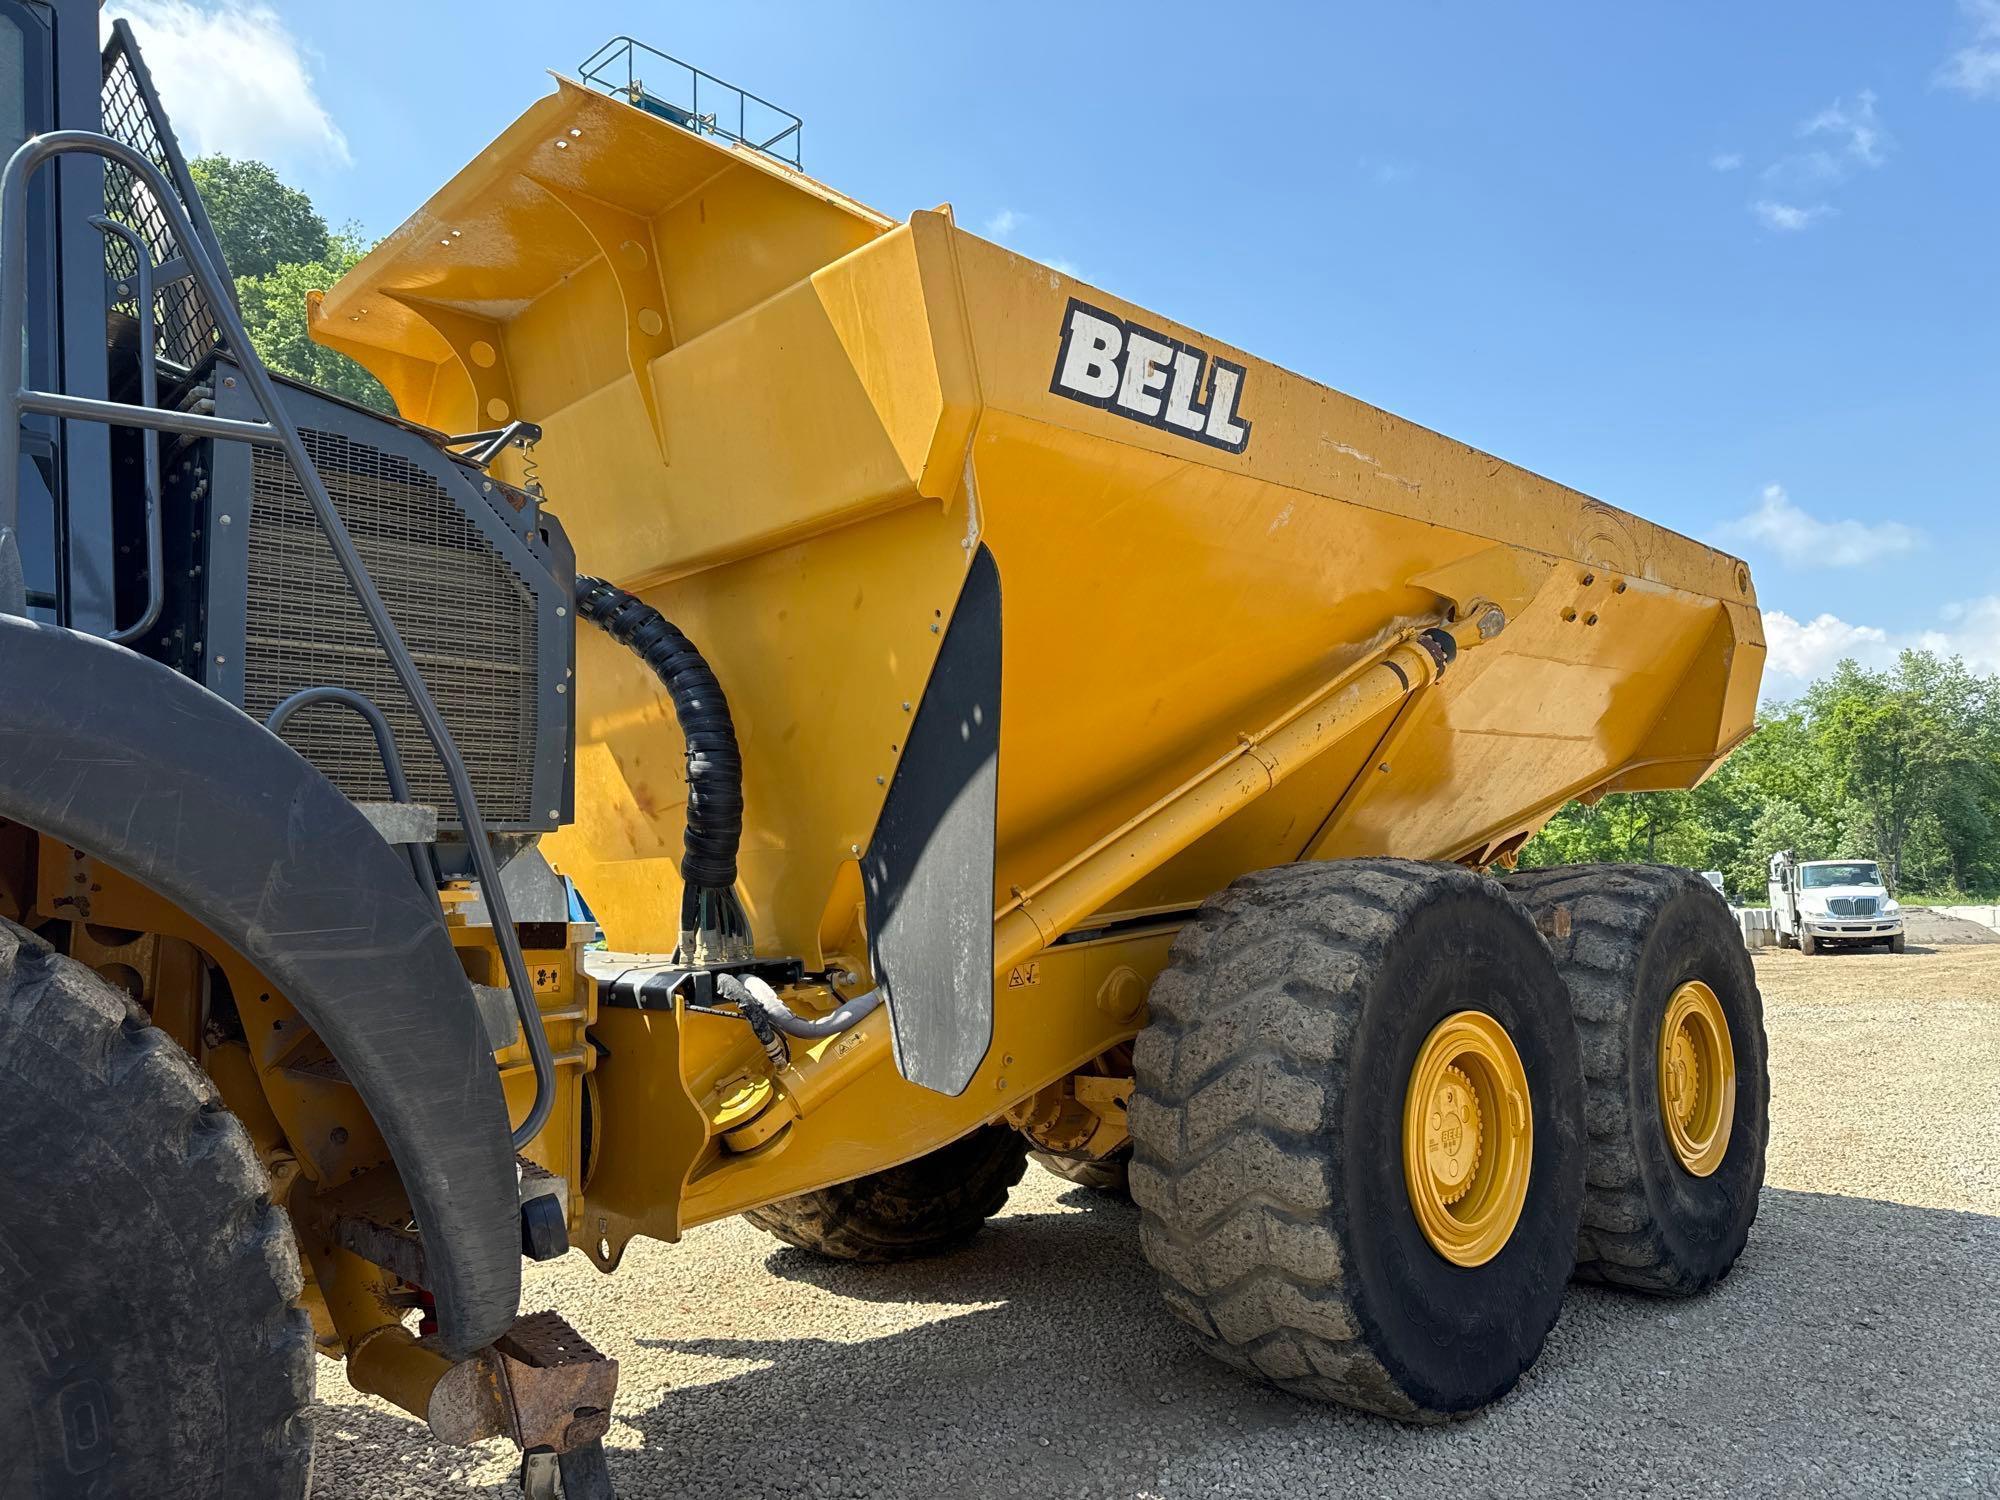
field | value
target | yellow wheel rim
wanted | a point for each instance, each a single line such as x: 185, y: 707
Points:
x: 1468, y: 1138
x: 1697, y: 1078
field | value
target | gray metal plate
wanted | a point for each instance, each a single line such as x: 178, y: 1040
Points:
x: 929, y: 869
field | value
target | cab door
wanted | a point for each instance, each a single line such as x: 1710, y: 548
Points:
x: 51, y: 73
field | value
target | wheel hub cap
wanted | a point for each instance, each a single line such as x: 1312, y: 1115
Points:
x: 1697, y: 1078
x: 1468, y: 1138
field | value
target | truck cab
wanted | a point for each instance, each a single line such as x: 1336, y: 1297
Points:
x: 1817, y: 902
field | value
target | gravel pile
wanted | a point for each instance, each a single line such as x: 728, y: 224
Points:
x: 1938, y: 929
x: 1852, y: 1352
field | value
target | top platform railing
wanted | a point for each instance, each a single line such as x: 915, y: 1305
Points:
x: 649, y: 79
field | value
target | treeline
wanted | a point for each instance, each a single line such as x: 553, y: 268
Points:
x: 1900, y: 766
x: 278, y: 247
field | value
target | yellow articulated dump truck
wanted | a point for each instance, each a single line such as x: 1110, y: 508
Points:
x: 798, y: 712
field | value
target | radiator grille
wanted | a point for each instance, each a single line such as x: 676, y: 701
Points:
x: 466, y: 616
x: 1852, y: 906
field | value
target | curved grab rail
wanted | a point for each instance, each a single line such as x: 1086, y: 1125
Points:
x: 278, y: 430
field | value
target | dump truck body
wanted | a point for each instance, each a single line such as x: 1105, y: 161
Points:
x: 794, y: 426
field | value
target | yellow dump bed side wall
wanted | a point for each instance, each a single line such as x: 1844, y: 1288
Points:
x: 787, y: 422
x: 1164, y: 596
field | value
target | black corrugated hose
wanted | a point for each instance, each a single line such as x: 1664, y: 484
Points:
x: 714, y: 926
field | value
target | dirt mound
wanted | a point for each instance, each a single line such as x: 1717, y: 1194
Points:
x: 1935, y: 929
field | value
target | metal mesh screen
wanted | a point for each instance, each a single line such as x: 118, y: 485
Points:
x: 466, y: 616
x: 186, y: 327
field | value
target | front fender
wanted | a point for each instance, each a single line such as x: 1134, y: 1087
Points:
x: 151, y: 773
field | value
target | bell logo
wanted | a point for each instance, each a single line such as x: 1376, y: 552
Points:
x: 1121, y: 367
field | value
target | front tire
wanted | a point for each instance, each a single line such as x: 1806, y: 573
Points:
x: 1272, y: 1165
x: 923, y: 1207
x: 1899, y: 942
x: 1653, y: 960
x: 149, y: 1287
x: 1808, y: 945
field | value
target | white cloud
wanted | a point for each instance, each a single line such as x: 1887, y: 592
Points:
x: 1973, y: 633
x: 1975, y: 68
x: 1855, y: 128
x: 1788, y: 217
x: 1004, y: 223
x: 1843, y: 136
x: 1800, y: 651
x: 1802, y: 540
x: 1725, y: 161
x: 234, y: 80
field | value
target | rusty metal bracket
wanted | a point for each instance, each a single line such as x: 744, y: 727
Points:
x: 540, y: 1384
x: 555, y: 1390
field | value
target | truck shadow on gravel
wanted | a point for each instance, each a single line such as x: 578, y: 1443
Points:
x: 1851, y: 1349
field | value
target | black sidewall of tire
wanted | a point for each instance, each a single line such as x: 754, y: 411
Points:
x: 1703, y: 1221
x: 1456, y: 1337
x: 154, y: 1344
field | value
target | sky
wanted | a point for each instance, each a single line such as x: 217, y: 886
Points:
x: 1732, y: 267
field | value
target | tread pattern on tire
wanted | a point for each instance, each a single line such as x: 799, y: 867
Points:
x: 234, y: 1269
x: 1609, y: 909
x: 923, y: 1207
x: 1108, y: 1175
x: 1233, y: 1171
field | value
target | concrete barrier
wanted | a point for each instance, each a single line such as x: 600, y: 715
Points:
x: 1760, y: 927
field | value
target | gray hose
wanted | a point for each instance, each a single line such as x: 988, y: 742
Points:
x: 756, y: 998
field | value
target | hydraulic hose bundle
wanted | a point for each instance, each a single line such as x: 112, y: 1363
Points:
x: 714, y: 927
x: 715, y: 930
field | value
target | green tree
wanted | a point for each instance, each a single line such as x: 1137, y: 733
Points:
x: 279, y: 248
x: 1900, y: 766
x: 260, y: 222
x: 1778, y: 825
x: 1673, y: 828
x: 1900, y: 742
x: 274, y: 312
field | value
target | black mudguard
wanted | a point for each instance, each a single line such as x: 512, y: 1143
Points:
x: 151, y: 773
x: 929, y: 866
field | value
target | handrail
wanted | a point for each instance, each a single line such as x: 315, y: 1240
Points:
x: 422, y: 865
x: 598, y: 69
x: 277, y: 429
x: 149, y: 397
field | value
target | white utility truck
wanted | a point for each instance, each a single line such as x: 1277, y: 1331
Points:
x: 1820, y: 901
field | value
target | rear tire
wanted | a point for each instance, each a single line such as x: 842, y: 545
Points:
x: 1110, y: 1175
x: 1627, y: 938
x: 1268, y: 1117
x: 149, y: 1287
x: 923, y: 1207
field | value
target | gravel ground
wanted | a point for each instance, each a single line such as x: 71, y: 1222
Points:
x: 1852, y: 1352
